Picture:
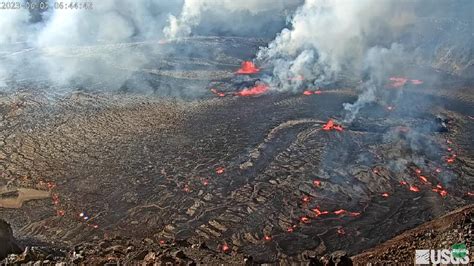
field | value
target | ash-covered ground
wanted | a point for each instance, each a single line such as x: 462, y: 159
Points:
x: 195, y: 166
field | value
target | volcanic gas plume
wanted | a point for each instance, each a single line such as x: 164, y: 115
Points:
x: 235, y: 132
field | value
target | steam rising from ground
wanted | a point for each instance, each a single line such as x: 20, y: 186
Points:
x: 80, y: 46
x: 193, y: 11
x: 365, y: 42
x: 326, y: 40
x: 105, y: 46
x: 333, y: 40
x: 331, y: 37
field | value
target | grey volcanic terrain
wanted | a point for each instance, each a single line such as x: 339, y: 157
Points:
x: 249, y: 176
x: 184, y: 150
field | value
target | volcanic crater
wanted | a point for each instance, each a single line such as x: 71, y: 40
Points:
x: 235, y: 168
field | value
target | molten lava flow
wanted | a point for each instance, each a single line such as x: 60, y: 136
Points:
x: 60, y: 212
x: 186, y: 189
x: 317, y: 183
x: 451, y: 159
x: 290, y: 229
x: 338, y: 128
x: 55, y: 198
x: 306, y: 199
x: 414, y: 188
x: 398, y: 82
x: 338, y: 212
x: 304, y: 219
x: 440, y: 190
x: 424, y: 179
x: 330, y: 125
x: 248, y: 67
x: 310, y: 92
x: 267, y: 238
x: 225, y: 248
x: 220, y: 170
x: 416, y: 81
x: 385, y: 195
x: 218, y: 93
x: 403, y: 183
x: 341, y: 231
x: 51, y: 185
x: 254, y: 91
x: 318, y: 212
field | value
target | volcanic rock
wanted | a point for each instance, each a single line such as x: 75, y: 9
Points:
x: 8, y: 243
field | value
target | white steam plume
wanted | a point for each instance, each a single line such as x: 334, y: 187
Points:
x: 192, y: 13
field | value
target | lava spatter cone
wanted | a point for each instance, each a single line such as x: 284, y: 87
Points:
x: 331, y: 125
x: 247, y: 68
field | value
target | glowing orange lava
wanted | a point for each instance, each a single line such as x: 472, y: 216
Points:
x: 247, y: 67
x: 451, y: 159
x: 220, y: 170
x: 341, y: 231
x: 424, y: 179
x: 330, y: 125
x: 225, y: 248
x: 416, y: 81
x: 186, y: 189
x: 440, y: 190
x: 254, y: 91
x: 218, y: 93
x: 319, y: 212
x: 306, y: 199
x: 385, y: 195
x: 398, y: 82
x: 267, y: 238
x: 338, y: 212
x: 304, y: 219
x: 317, y: 183
x: 310, y: 92
x: 414, y: 188
x: 51, y: 185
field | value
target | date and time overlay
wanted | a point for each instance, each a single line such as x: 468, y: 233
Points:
x: 46, y: 5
